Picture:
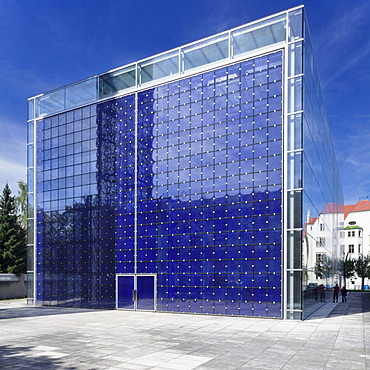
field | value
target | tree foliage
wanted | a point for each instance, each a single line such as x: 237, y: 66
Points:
x: 21, y: 203
x: 362, y: 268
x: 13, y: 247
x: 348, y: 268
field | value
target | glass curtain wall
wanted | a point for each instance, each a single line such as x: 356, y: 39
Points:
x: 204, y: 175
x: 313, y: 185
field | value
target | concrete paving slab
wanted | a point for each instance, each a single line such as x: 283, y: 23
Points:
x: 337, y: 336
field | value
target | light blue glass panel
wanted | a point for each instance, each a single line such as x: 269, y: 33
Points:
x: 258, y: 35
x: 30, y: 128
x: 30, y: 157
x: 113, y: 82
x: 81, y: 93
x: 30, y: 177
x: 50, y: 103
x: 206, y: 52
x: 295, y: 54
x: 295, y: 24
x: 295, y: 131
x: 295, y: 94
x: 31, y: 109
x: 163, y: 66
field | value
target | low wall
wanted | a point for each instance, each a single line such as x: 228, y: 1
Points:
x: 13, y: 286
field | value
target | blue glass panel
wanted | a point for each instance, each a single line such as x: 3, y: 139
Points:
x: 125, y: 288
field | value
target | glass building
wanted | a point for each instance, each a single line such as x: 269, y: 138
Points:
x: 182, y: 182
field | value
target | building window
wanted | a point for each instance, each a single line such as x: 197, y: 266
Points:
x: 322, y: 227
x: 351, y: 248
x: 359, y: 233
x: 351, y: 234
x: 319, y: 257
x: 342, y: 234
x: 322, y: 242
x: 359, y: 248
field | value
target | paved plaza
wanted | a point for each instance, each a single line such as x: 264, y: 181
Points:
x: 335, y: 337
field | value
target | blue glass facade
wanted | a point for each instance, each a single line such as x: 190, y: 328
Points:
x: 192, y: 194
x: 180, y: 185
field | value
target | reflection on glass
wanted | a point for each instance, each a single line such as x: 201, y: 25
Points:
x: 119, y: 80
x: 81, y: 93
x: 258, y: 35
x: 206, y: 52
x: 163, y: 66
x: 31, y: 109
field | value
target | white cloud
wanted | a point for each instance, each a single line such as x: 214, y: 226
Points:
x: 11, y: 172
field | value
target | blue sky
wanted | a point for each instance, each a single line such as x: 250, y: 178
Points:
x: 47, y: 44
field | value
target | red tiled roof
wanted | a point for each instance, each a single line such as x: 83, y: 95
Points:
x: 332, y: 208
x: 362, y: 205
x: 312, y: 220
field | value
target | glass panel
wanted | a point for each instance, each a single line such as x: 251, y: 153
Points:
x: 295, y: 24
x: 165, y: 65
x: 30, y: 138
x: 30, y: 159
x: 81, y: 93
x: 125, y: 288
x: 294, y: 249
x: 30, y: 261
x: 294, y: 170
x: 30, y: 285
x: 30, y: 178
x: 206, y: 52
x: 259, y: 35
x: 30, y: 205
x: 31, y: 108
x: 295, y: 59
x: 294, y: 94
x: 114, y: 82
x: 294, y: 286
x: 145, y: 287
x: 295, y: 131
x: 294, y: 210
x: 50, y: 103
x: 30, y: 233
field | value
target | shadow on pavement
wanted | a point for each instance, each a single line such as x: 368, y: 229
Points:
x: 23, y: 310
x: 30, y: 357
x: 357, y: 302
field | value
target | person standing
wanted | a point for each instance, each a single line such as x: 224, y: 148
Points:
x: 335, y: 293
x: 344, y: 293
x: 321, y: 292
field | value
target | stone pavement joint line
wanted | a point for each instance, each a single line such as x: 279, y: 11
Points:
x: 337, y: 336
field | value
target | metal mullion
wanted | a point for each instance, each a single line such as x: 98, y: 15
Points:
x: 285, y: 180
x: 135, y: 182
x: 34, y: 203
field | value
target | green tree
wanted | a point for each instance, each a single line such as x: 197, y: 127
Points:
x: 362, y: 268
x: 348, y: 268
x: 21, y: 203
x: 13, y: 247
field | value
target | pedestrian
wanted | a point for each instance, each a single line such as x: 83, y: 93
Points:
x: 336, y: 293
x: 344, y: 293
x: 321, y: 292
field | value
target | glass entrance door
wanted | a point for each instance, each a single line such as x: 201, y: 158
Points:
x: 136, y: 292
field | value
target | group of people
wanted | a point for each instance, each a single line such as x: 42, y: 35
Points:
x: 320, y: 293
x: 342, y: 291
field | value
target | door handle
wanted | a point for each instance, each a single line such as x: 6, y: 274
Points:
x: 135, y: 295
